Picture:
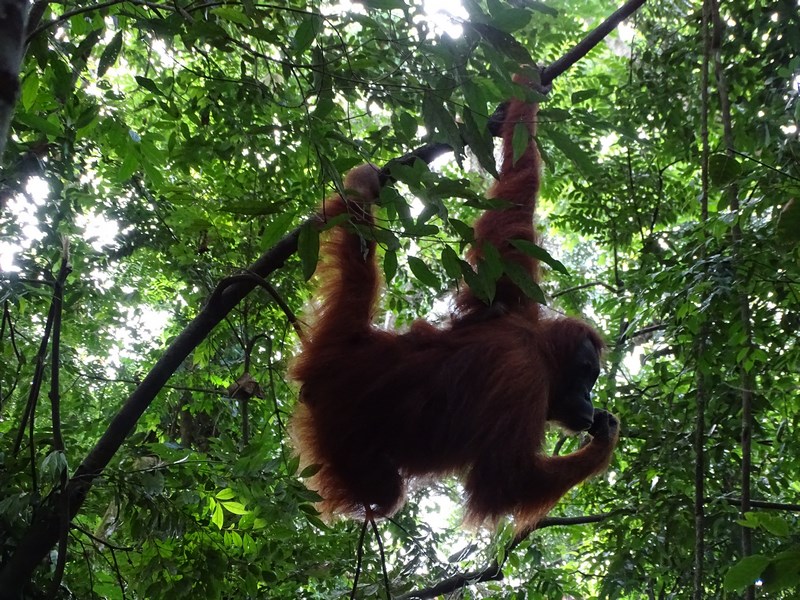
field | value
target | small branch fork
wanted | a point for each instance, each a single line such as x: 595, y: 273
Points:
x: 45, y: 531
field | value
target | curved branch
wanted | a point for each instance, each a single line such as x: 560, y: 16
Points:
x: 494, y: 570
x: 267, y: 286
x: 430, y: 152
x: 591, y: 40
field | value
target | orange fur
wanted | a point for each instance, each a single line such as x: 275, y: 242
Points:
x: 471, y: 398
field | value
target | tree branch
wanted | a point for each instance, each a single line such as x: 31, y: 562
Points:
x: 494, y: 570
x: 13, y: 16
x: 760, y: 504
x: 55, y: 412
x: 594, y: 37
x: 583, y: 286
x: 43, y: 532
x: 430, y: 152
x: 267, y: 286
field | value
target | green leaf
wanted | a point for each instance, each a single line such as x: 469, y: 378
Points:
x: 225, y: 494
x: 389, y: 265
x: 746, y: 572
x: 723, y: 169
x: 62, y: 84
x: 476, y: 284
x: 421, y: 230
x: 50, y: 126
x: 278, y: 227
x: 310, y: 471
x: 450, y: 262
x: 520, y: 140
x: 86, y: 117
x: 492, y: 261
x: 385, y: 4
x: 523, y: 280
x: 539, y: 253
x: 580, y: 96
x: 231, y: 14
x: 407, y: 125
x: 148, y: 84
x: 507, y: 18
x: 292, y: 465
x: 318, y: 523
x: 237, y: 508
x: 128, y: 167
x: 384, y: 237
x: 110, y: 54
x: 775, y: 524
x: 325, y: 104
x: 422, y: 272
x: 54, y: 464
x: 476, y: 101
x: 30, y: 90
x: 306, y: 33
x: 783, y: 571
x: 480, y: 142
x: 504, y: 43
x: 309, y: 509
x: 438, y: 119
x: 217, y: 516
x: 464, y: 231
x: 554, y: 114
x: 308, y: 249
x: 572, y: 151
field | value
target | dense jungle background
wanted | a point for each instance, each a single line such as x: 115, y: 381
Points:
x: 153, y: 150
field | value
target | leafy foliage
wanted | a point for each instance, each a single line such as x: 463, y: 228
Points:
x: 172, y: 144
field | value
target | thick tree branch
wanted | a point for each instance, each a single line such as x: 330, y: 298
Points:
x: 748, y: 382
x: 594, y: 37
x: 44, y: 531
x: 13, y: 16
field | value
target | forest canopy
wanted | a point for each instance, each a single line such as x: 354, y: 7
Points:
x: 159, y: 162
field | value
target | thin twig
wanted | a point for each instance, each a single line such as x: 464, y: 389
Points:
x: 102, y: 542
x: 383, y: 558
x: 359, y: 557
x: 55, y: 411
x: 760, y: 504
x: 583, y: 286
x: 266, y: 285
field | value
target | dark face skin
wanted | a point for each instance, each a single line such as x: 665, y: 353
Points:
x: 571, y: 405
